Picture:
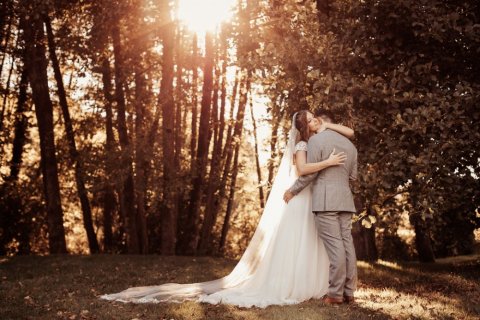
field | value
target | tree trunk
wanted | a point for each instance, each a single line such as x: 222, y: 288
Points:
x: 223, y: 97
x: 189, y: 243
x: 213, y: 129
x: 213, y: 181
x: 128, y: 193
x: 141, y: 146
x: 183, y: 215
x: 237, y: 134
x: 21, y: 123
x: 212, y: 203
x: 276, y: 116
x: 141, y: 161
x: 364, y: 241
x: 166, y: 100
x: 231, y: 196
x: 364, y: 238
x: 257, y: 160
x: 193, y: 140
x: 75, y: 156
x: 109, y: 200
x: 180, y: 126
x: 423, y: 243
x: 113, y: 212
x: 228, y: 139
x: 228, y: 149
x: 36, y: 64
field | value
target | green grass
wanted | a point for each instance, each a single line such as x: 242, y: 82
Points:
x: 67, y: 287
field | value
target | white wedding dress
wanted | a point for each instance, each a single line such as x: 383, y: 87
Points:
x: 285, y: 262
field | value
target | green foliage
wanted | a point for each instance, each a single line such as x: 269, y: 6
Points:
x: 406, y: 74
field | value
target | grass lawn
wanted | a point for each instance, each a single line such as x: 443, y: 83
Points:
x: 67, y: 287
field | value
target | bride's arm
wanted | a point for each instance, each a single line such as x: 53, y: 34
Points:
x: 343, y: 130
x: 304, y: 168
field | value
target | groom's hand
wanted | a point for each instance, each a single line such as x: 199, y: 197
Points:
x: 288, y: 196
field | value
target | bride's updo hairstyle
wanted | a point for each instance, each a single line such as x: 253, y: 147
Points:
x: 301, y: 124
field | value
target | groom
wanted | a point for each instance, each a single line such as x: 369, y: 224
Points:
x: 333, y: 207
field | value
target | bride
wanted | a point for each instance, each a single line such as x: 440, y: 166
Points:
x: 285, y: 262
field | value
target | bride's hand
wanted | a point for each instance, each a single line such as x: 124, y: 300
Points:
x: 287, y: 196
x: 336, y: 159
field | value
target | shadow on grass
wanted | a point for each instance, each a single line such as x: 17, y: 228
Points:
x: 443, y: 290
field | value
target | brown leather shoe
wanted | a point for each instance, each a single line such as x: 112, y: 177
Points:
x: 349, y: 299
x: 332, y: 301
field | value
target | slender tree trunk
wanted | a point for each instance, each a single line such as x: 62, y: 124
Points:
x: 141, y: 146
x: 36, y: 64
x: 180, y: 125
x: 237, y: 134
x: 231, y: 196
x: 193, y: 140
x: 21, y: 123
x: 189, y: 244
x: 113, y: 211
x: 109, y: 203
x: 213, y: 200
x: 166, y: 100
x: 74, y: 155
x: 257, y: 160
x: 276, y: 116
x: 128, y: 192
x: 213, y: 181
x: 364, y: 241
x: 141, y: 157
x: 190, y: 86
x: 214, y: 114
x: 117, y: 181
x: 231, y: 122
x: 228, y: 150
x: 423, y: 243
x: 364, y: 238
x: 179, y: 100
x: 223, y: 97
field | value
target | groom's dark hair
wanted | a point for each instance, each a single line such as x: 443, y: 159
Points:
x: 326, y: 115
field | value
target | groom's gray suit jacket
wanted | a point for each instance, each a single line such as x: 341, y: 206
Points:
x: 330, y: 187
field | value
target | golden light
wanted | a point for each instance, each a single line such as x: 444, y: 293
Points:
x: 201, y: 16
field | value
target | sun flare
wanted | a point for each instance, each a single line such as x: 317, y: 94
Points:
x: 204, y: 15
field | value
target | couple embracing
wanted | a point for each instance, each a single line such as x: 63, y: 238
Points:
x: 302, y: 247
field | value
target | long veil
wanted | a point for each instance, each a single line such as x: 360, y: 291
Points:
x: 252, y: 257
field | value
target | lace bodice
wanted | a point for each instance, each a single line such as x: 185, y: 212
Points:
x: 302, y: 145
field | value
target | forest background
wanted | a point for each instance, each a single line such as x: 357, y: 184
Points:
x: 122, y: 130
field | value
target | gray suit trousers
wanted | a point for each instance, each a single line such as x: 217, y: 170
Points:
x: 335, y: 229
